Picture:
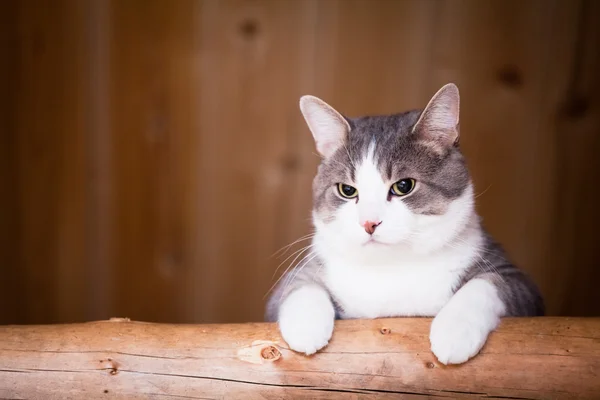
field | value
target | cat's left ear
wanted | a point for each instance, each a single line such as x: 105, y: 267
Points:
x: 438, y: 124
x: 328, y: 127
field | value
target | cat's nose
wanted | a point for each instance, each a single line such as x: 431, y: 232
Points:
x: 370, y: 226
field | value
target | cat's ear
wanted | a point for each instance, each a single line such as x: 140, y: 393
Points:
x: 438, y: 124
x: 329, y: 128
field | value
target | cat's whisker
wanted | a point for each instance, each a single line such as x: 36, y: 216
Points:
x: 318, y: 270
x: 290, y: 267
x: 491, y: 266
x: 297, y: 253
x: 483, y: 249
x: 288, y: 275
x: 283, y: 251
x: 294, y: 273
x: 286, y: 247
x: 482, y: 193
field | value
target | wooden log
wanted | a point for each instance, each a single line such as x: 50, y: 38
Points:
x: 534, y: 358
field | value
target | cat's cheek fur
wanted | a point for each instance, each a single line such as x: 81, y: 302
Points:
x: 306, y: 319
x: 461, y: 328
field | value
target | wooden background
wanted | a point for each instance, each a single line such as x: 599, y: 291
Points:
x: 153, y: 157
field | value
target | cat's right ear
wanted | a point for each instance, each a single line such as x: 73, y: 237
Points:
x: 438, y: 124
x: 329, y: 128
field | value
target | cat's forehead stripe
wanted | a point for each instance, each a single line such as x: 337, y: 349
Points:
x: 368, y: 175
x: 371, y: 151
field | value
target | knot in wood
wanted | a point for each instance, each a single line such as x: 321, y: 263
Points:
x: 270, y: 353
x: 113, y: 366
x: 511, y: 76
x: 576, y: 107
x: 249, y: 28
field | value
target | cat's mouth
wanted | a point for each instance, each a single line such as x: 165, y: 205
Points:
x: 374, y: 242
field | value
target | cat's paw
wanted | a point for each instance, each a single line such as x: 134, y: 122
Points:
x: 306, y: 320
x: 306, y: 335
x: 456, y: 337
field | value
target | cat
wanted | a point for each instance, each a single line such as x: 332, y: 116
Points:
x: 397, y: 234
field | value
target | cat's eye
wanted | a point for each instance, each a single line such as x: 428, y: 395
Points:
x: 347, y: 191
x: 403, y: 187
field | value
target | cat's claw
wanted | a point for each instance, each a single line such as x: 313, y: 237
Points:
x: 306, y: 320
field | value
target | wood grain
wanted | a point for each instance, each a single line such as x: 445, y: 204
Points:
x: 540, y: 358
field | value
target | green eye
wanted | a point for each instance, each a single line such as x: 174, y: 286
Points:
x: 347, y: 191
x: 403, y: 187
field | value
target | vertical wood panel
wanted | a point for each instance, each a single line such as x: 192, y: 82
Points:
x: 50, y: 159
x: 36, y: 154
x: 72, y: 158
x: 12, y: 278
x: 100, y: 199
x: 151, y: 113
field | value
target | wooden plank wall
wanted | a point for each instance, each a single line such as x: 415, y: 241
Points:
x: 153, y: 158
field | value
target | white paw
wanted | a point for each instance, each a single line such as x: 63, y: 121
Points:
x: 461, y: 328
x: 306, y: 319
x: 455, y: 339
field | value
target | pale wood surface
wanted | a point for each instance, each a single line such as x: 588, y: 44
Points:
x: 539, y: 358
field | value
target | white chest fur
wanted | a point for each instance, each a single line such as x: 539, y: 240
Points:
x: 419, y: 286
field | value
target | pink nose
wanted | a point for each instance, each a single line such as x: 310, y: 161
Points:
x: 370, y: 226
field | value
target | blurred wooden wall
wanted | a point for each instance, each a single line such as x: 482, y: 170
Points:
x: 153, y: 158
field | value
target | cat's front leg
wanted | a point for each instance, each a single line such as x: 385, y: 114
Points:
x: 306, y: 318
x: 461, y: 328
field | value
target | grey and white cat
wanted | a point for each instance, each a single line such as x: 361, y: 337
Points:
x: 397, y: 234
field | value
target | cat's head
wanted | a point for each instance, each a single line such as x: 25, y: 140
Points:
x: 387, y: 182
